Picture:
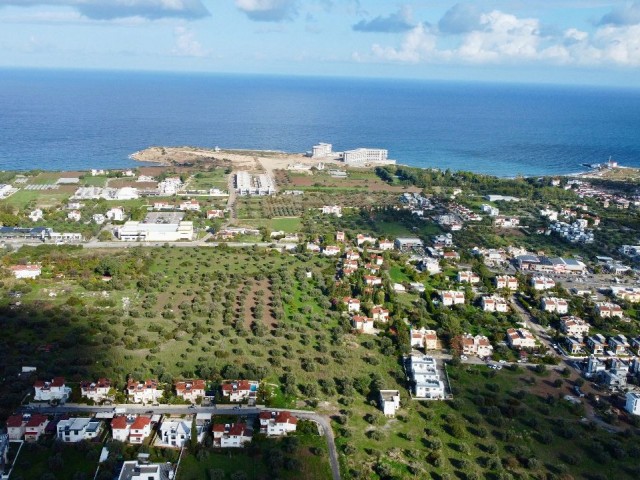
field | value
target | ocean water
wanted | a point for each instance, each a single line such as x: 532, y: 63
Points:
x: 65, y: 120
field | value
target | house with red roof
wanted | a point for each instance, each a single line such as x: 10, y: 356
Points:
x: 231, y: 435
x: 380, y: 314
x: 239, y: 390
x: 144, y: 392
x: 16, y: 426
x: 353, y: 304
x: 190, y: 390
x: 26, y: 271
x: 55, y: 390
x: 96, y: 391
x: 131, y: 428
x: 277, y: 424
x: 35, y: 427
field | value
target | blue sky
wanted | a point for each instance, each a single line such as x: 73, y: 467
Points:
x: 551, y: 41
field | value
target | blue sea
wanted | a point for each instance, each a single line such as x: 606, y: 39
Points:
x: 68, y: 120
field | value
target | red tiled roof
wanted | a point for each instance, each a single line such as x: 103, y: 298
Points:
x: 286, y: 417
x: 36, y: 420
x: 265, y: 415
x: 190, y: 385
x: 119, y: 423
x: 14, y: 421
x: 237, y: 429
x: 57, y: 382
x: 140, y: 423
x: 218, y: 427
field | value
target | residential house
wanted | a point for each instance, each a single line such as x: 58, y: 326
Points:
x: 352, y: 255
x: 340, y: 237
x: 26, y: 271
x: 116, y: 214
x: 372, y: 280
x: 277, y: 424
x: 574, y: 326
x: 619, y: 344
x: 144, y: 392
x: 376, y: 259
x: 55, y: 390
x: 430, y: 265
x: 239, y: 390
x: 632, y: 404
x: 399, y: 288
x: 389, y: 402
x: 506, y: 281
x: 96, y: 391
x: 608, y: 310
x: 494, y: 303
x: 35, y: 215
x: 353, y: 304
x: 99, y: 218
x: 597, y: 344
x: 162, y: 206
x: 177, y: 432
x: 424, y: 374
x: 190, y: 205
x: 506, y: 222
x: 133, y: 429
x: 191, y: 390
x: 467, y: 276
x: 385, y: 244
x: 555, y: 304
x: 332, y: 210
x: 542, y: 283
x: 405, y: 243
x: 417, y: 287
x: 234, y: 435
x: 520, y: 338
x: 74, y: 215
x: 373, y: 269
x: 423, y: 338
x: 573, y: 345
x: 143, y: 470
x: 362, y: 324
x: 211, y: 214
x: 478, y: 345
x: 75, y: 430
x: 451, y: 297
x: 451, y: 255
x: 331, y: 251
x: 313, y: 247
x: 16, y: 426
x: 361, y: 239
x: 34, y: 427
x: 380, y: 314
x: 630, y: 294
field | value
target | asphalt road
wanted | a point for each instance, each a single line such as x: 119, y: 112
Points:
x: 322, y: 421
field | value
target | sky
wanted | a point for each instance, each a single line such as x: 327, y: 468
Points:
x: 534, y: 41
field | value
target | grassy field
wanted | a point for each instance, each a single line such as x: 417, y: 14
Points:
x: 50, y: 461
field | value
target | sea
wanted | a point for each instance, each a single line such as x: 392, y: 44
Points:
x: 78, y: 120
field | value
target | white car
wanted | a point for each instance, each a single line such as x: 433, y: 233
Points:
x: 463, y: 357
x: 502, y: 361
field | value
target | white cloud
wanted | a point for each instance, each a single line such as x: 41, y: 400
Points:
x: 500, y: 37
x: 268, y: 10
x: 187, y: 45
x: 418, y: 45
x: 111, y: 9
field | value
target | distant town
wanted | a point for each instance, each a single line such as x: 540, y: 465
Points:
x: 325, y: 315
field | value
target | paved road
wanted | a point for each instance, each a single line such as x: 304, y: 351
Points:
x: 322, y: 421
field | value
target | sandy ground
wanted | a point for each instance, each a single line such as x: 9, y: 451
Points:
x: 255, y: 161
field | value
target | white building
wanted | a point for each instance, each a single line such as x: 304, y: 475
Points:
x: 116, y: 214
x: 362, y: 324
x: 96, y: 391
x: 574, y: 326
x: 362, y: 156
x: 261, y: 184
x: 277, y: 424
x: 26, y: 271
x: 142, y: 470
x: 191, y: 390
x: 353, y: 304
x: 608, y: 310
x: 321, y: 150
x: 542, y: 283
x: 389, y: 402
x: 131, y: 428
x: 331, y: 250
x: 506, y: 281
x: 478, y: 345
x: 633, y: 403
x: 385, y: 244
x: 55, y: 390
x: 451, y: 297
x: 143, y: 392
x: 332, y: 210
x: 190, y: 205
x: 494, y: 303
x: 520, y: 338
x: 423, y: 338
x: 177, y: 432
x: 492, y: 211
x: 74, y: 215
x: 234, y: 435
x: 35, y: 215
x: 426, y: 379
x: 75, y: 430
x: 99, y: 218
x: 239, y: 390
x: 555, y: 304
x: 133, y: 231
x: 467, y: 276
